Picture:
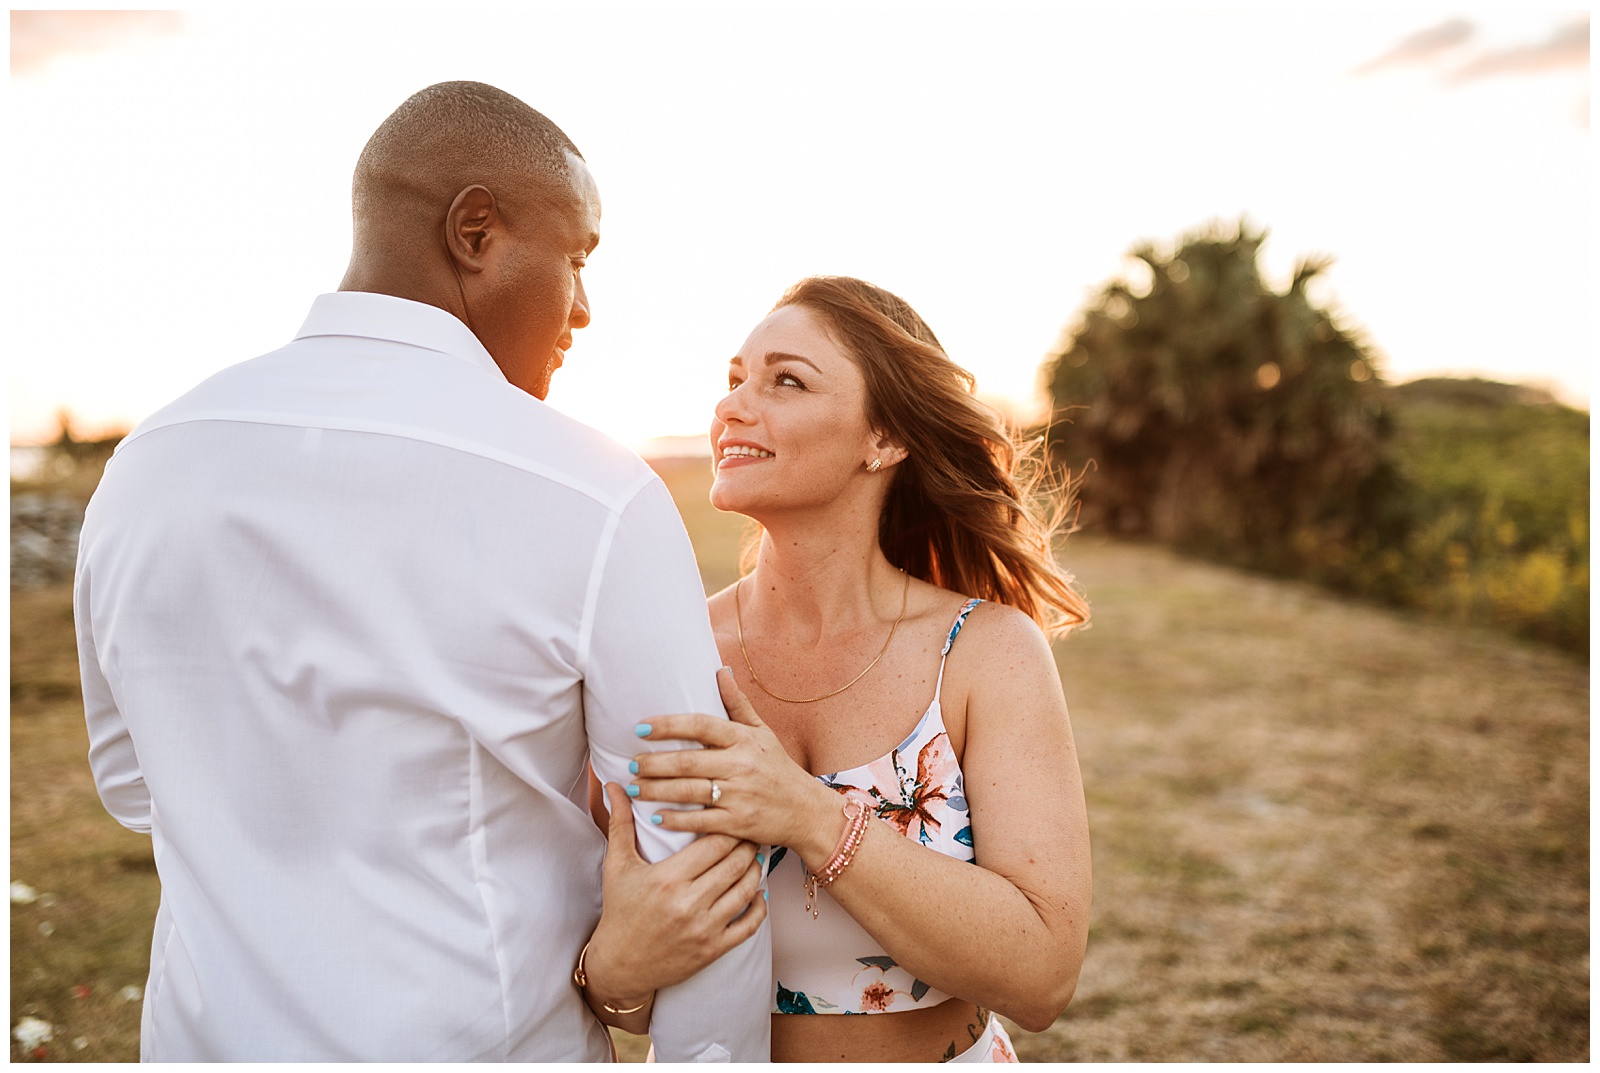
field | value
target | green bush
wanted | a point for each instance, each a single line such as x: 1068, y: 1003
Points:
x: 1210, y: 412
x: 1222, y: 416
x: 1497, y: 480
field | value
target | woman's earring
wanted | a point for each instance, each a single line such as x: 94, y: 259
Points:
x: 875, y: 465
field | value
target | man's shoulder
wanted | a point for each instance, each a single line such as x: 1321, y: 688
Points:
x: 417, y: 395
x: 582, y: 450
x: 510, y: 423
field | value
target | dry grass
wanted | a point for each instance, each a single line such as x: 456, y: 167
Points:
x: 87, y: 936
x: 1321, y: 831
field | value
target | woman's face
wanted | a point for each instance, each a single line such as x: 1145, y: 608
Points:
x: 792, y: 431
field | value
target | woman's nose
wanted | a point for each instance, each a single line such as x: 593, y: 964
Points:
x: 731, y: 408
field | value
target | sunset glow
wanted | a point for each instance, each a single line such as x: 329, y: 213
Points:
x: 185, y: 178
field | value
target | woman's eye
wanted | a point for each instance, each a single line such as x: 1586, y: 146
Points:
x: 788, y: 380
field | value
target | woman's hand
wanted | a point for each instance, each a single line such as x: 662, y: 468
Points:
x: 662, y: 923
x: 762, y: 794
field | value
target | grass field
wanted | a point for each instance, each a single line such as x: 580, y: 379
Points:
x: 1321, y: 831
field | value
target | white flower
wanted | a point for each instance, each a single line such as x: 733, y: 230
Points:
x: 22, y: 894
x: 31, y: 1032
x: 131, y: 993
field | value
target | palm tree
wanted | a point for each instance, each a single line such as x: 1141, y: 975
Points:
x: 1222, y: 417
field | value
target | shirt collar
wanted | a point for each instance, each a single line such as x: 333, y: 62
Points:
x: 399, y: 320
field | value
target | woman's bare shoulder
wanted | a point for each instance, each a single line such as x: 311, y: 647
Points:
x: 998, y: 628
x: 1005, y: 669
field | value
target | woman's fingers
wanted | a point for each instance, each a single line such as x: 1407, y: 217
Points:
x: 744, y: 891
x: 705, y: 729
x: 727, y: 870
x: 694, y: 860
x: 622, y: 850
x: 690, y: 791
x: 727, y: 874
x: 733, y: 817
x: 742, y: 927
x: 702, y: 764
x: 725, y: 905
x: 695, y: 821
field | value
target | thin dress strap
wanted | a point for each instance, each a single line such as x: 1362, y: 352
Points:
x: 950, y: 639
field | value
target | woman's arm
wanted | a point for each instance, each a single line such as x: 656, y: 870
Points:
x: 1008, y: 934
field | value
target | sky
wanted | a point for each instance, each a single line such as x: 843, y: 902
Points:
x: 180, y: 180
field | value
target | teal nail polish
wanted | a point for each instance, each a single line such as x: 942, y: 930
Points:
x: 760, y: 859
x: 633, y: 767
x: 656, y: 818
x: 633, y: 791
x: 763, y: 895
x: 643, y: 730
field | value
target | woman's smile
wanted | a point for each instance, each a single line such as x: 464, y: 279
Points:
x: 738, y: 453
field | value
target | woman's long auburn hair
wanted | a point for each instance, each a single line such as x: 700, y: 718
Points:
x: 961, y: 510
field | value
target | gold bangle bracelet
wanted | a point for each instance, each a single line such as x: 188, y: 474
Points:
x: 581, y: 978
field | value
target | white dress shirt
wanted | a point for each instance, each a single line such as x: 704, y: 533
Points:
x: 351, y: 618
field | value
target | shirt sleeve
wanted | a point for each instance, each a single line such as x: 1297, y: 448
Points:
x: 650, y: 652
x: 112, y: 759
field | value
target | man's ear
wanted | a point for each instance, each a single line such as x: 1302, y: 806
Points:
x: 469, y: 227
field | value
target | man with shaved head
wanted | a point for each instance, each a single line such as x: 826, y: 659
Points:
x: 470, y: 170
x: 355, y: 619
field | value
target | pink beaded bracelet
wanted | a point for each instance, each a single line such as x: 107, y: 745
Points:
x: 843, y: 854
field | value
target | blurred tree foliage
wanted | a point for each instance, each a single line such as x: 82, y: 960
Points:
x: 1223, y: 417
x: 1210, y: 412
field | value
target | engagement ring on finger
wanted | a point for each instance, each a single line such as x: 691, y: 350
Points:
x: 716, y: 793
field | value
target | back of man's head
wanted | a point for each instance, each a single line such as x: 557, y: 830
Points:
x: 443, y: 139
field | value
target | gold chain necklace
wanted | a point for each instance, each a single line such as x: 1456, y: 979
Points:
x: 738, y: 614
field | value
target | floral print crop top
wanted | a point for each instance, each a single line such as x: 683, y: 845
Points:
x: 830, y: 964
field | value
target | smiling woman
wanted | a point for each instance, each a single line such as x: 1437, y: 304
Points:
x: 792, y: 426
x: 881, y: 760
